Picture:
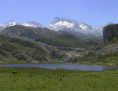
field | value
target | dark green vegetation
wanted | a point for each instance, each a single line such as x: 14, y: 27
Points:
x: 13, y: 49
x: 94, y: 58
x: 57, y: 80
x: 44, y: 35
x: 110, y: 32
x: 43, y: 45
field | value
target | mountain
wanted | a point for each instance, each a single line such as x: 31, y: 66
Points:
x: 61, y: 23
x: 19, y: 42
x: 15, y: 49
x: 47, y: 36
x: 13, y: 23
x: 32, y: 24
x: 110, y: 32
x: 8, y: 24
x: 1, y: 28
x: 66, y: 24
x: 108, y: 54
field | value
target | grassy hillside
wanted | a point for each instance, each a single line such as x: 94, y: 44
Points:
x: 107, y: 59
x: 15, y: 50
x: 57, y: 80
x: 22, y: 50
x: 108, y: 55
x: 58, y: 39
x: 65, y: 46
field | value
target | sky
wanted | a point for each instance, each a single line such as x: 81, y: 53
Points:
x: 93, y: 12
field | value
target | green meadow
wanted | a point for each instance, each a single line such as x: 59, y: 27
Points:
x: 32, y: 79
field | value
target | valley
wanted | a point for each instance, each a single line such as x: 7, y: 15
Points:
x: 59, y: 45
x: 30, y: 44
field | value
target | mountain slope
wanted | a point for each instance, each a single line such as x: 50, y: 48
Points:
x: 55, y: 38
x: 109, y: 53
x: 18, y: 49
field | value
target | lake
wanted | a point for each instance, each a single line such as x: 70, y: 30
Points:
x: 68, y: 66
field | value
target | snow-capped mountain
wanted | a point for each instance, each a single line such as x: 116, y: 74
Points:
x: 60, y: 23
x: 13, y: 23
x: 32, y: 24
x: 74, y: 26
x: 27, y: 24
x: 8, y: 24
x: 63, y: 24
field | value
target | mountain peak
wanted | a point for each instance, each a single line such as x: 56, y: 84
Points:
x: 32, y: 24
x: 66, y: 23
x: 55, y: 19
x: 61, y: 23
x: 11, y: 23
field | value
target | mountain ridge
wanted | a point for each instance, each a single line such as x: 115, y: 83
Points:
x: 61, y: 24
x: 55, y: 38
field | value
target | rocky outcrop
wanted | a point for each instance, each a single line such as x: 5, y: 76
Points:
x: 110, y: 49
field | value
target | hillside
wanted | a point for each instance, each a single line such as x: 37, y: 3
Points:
x: 22, y: 50
x: 110, y: 32
x: 42, y: 44
x: 107, y: 55
x: 54, y: 38
x: 13, y: 50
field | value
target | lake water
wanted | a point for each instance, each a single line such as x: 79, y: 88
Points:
x: 68, y: 66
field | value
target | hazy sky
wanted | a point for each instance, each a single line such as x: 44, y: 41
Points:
x: 93, y: 12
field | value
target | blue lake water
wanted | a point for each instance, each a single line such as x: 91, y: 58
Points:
x: 69, y: 66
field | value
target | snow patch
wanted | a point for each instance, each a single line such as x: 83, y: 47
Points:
x: 84, y: 27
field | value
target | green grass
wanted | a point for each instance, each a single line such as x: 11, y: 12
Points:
x: 108, y: 59
x: 29, y: 79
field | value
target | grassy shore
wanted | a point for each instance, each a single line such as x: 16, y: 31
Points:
x: 30, y: 79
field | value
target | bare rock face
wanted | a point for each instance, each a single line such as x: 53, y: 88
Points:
x: 110, y: 32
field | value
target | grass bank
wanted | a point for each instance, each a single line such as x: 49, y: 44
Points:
x: 30, y: 79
